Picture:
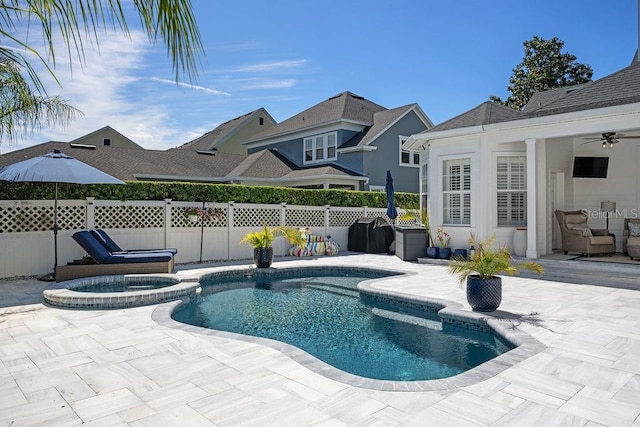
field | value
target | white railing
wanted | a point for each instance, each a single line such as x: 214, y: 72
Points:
x: 26, y: 239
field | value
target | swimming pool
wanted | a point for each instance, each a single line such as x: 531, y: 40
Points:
x: 327, y: 317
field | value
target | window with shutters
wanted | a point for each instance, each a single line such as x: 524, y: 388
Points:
x: 456, y: 192
x: 320, y: 148
x: 511, y: 175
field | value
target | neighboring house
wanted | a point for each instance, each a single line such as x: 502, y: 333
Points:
x: 107, y: 137
x: 493, y: 169
x: 350, y: 134
x: 345, y: 142
x: 141, y: 165
x: 227, y: 137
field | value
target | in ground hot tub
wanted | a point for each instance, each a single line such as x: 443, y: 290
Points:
x: 119, y: 291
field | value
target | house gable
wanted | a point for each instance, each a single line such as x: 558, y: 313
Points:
x: 107, y: 137
x: 229, y: 136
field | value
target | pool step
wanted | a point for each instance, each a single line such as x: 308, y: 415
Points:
x: 407, y: 318
x: 338, y: 290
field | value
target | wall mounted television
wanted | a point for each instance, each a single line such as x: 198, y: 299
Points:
x: 590, y: 167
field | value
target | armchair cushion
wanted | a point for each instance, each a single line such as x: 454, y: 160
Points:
x: 601, y: 240
x: 586, y: 231
x: 574, y: 221
x: 634, y: 229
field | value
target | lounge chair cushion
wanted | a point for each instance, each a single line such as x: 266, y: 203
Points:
x: 102, y: 256
x: 114, y: 248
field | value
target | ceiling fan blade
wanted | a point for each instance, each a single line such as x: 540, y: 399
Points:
x: 627, y: 137
x: 589, y: 142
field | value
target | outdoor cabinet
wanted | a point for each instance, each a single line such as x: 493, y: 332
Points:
x: 411, y: 243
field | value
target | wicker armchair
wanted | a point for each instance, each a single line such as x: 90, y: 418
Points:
x: 578, y: 237
x: 630, y: 240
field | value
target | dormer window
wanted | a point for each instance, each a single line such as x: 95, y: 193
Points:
x: 320, y: 148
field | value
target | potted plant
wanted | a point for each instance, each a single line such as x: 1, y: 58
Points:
x: 443, y: 239
x: 262, y: 242
x: 481, y: 269
x: 192, y: 214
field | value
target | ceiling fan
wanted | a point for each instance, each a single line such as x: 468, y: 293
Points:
x: 609, y: 139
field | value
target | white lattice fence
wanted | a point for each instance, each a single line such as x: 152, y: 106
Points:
x: 256, y: 215
x: 305, y: 216
x: 26, y: 216
x: 213, y: 215
x: 129, y: 215
x: 344, y: 217
x: 26, y: 238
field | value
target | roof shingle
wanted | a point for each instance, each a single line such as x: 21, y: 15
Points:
x: 344, y: 106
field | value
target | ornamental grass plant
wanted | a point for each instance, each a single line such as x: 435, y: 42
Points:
x: 488, y: 262
x: 264, y: 238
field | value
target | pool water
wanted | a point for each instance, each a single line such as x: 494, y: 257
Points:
x: 326, y: 317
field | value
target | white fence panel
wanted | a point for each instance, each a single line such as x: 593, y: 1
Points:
x: 26, y: 237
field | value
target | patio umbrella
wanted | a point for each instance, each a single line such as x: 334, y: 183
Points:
x: 392, y: 212
x: 55, y: 167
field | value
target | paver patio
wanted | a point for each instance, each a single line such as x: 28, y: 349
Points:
x: 120, y: 367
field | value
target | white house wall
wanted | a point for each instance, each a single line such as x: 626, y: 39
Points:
x: 446, y: 150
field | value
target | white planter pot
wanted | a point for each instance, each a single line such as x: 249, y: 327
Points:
x: 520, y: 242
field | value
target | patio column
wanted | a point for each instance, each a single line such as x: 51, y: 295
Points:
x: 532, y: 205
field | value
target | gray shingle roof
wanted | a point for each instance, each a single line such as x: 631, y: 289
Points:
x: 344, y: 106
x: 619, y: 88
x: 486, y: 113
x: 542, y: 99
x: 318, y: 171
x: 381, y: 119
x: 262, y: 164
x: 126, y: 163
x: 272, y: 164
x: 209, y: 140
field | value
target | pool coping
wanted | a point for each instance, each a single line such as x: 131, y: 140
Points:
x: 451, y: 312
x: 64, y: 296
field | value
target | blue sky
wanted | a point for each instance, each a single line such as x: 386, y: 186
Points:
x: 285, y: 56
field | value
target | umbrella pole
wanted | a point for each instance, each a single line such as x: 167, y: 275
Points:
x: 50, y: 277
x: 55, y: 232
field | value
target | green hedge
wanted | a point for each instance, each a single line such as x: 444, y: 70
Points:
x: 138, y: 190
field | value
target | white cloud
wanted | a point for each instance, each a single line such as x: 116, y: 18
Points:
x: 190, y: 86
x: 268, y: 84
x: 269, y: 66
x: 108, y: 90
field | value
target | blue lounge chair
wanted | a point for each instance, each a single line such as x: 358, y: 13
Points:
x: 108, y: 263
x: 114, y: 248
